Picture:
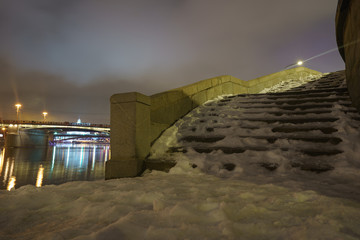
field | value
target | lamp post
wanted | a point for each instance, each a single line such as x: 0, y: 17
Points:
x: 45, y: 114
x: 3, y: 129
x: 18, y: 106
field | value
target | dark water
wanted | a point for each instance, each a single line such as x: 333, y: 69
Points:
x: 52, y: 165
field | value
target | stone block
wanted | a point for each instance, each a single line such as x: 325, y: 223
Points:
x: 130, y: 97
x: 203, y: 85
x: 190, y: 90
x: 163, y: 115
x: 225, y: 79
x: 227, y: 88
x: 130, y: 132
x: 124, y: 168
x: 210, y: 93
x: 214, y: 82
x: 199, y: 98
x: 239, y: 89
x: 182, y: 107
x: 218, y: 91
x: 157, y: 129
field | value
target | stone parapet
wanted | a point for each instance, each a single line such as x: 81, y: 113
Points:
x: 138, y: 120
x: 130, y: 132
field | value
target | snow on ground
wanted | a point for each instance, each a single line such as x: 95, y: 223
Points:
x: 181, y: 204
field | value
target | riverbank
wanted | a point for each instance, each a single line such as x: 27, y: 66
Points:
x: 181, y: 204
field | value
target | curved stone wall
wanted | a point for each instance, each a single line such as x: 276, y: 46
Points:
x: 348, y: 40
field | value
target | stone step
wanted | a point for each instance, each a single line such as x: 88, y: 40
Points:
x: 204, y: 139
x: 290, y: 120
x: 340, y: 95
x: 310, y: 165
x: 232, y: 150
x: 294, y: 101
x: 313, y: 166
x: 159, y: 164
x: 301, y: 107
x: 291, y: 93
x: 270, y: 139
x: 289, y: 113
x: 293, y: 129
x: 306, y: 91
x: 314, y: 139
x: 306, y: 165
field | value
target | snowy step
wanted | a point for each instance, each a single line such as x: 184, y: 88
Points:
x: 313, y: 166
x: 205, y: 139
x: 160, y: 164
x: 306, y: 91
x: 289, y: 113
x: 314, y: 139
x: 290, y: 120
x: 232, y: 150
x: 306, y: 165
x: 293, y: 129
x: 294, y: 107
x: 295, y: 101
x: 270, y: 139
x: 310, y: 95
x: 302, y: 125
x: 291, y: 93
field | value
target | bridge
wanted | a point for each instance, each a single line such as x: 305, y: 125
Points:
x: 40, y: 132
x: 64, y: 126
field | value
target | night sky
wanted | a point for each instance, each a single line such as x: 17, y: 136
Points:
x: 69, y: 56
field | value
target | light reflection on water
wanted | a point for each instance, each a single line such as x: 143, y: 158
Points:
x: 52, y: 165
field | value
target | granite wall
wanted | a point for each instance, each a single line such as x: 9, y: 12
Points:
x: 348, y: 40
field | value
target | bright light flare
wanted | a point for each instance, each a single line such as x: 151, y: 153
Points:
x: 40, y: 176
x: 18, y: 106
x: 299, y: 63
x: 44, y: 114
x: 11, y: 183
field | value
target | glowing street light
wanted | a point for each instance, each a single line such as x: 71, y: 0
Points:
x: 300, y: 63
x: 2, y: 135
x: 45, y: 114
x: 18, y: 106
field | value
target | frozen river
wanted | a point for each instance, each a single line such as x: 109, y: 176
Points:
x: 52, y: 165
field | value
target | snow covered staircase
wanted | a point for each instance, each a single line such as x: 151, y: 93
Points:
x: 296, y: 124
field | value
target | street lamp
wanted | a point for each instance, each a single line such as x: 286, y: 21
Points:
x: 45, y: 114
x: 300, y: 63
x: 18, y: 106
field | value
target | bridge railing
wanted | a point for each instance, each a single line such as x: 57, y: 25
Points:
x: 54, y: 123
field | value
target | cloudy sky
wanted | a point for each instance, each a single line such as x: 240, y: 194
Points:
x: 69, y: 56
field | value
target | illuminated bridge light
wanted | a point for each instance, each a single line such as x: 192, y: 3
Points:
x: 40, y: 176
x: 11, y: 184
x: 78, y: 133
